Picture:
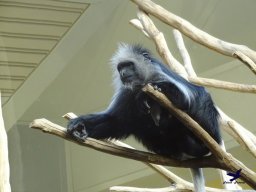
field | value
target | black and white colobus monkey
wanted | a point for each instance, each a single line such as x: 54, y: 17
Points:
x: 132, y: 112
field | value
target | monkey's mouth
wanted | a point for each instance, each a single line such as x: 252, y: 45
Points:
x: 127, y: 79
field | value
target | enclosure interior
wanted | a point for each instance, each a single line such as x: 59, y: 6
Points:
x: 54, y: 58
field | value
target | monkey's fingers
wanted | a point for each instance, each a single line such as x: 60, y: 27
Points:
x: 77, y: 130
x: 80, y: 136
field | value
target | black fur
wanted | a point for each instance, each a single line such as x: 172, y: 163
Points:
x: 132, y: 112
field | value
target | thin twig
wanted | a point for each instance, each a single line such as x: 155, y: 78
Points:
x: 137, y: 24
x: 184, y: 53
x: 245, y: 59
x: 244, y: 137
x: 161, y: 45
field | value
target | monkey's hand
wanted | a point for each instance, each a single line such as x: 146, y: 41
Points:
x: 177, y: 95
x: 77, y: 129
x: 156, y: 86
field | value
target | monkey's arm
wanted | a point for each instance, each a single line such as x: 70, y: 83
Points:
x: 112, y: 123
x: 98, y: 126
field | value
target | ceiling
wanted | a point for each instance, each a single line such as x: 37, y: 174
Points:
x: 54, y: 59
x: 29, y: 31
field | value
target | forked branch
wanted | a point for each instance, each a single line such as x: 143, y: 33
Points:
x: 146, y: 25
x: 223, y: 158
x: 247, y: 137
x: 248, y: 56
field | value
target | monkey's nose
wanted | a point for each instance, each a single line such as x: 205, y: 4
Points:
x: 123, y: 73
x: 126, y: 74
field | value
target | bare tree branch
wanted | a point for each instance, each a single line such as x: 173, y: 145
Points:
x: 160, y: 43
x: 137, y: 24
x: 172, y: 63
x: 190, y: 70
x: 184, y: 53
x: 172, y: 178
x: 196, y: 34
x: 180, y: 184
x: 48, y: 127
x: 225, y: 159
x: 245, y: 59
x: 244, y: 137
x: 150, y: 30
x: 212, y: 83
x: 223, y: 85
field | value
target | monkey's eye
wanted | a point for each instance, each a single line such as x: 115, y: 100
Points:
x: 146, y: 55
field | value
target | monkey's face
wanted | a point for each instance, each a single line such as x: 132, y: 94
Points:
x: 130, y: 75
x: 132, y: 66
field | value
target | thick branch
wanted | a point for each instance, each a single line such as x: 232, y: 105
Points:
x: 181, y: 184
x: 51, y: 128
x: 171, y: 177
x: 196, y: 34
x: 54, y: 129
x: 186, y: 120
x: 225, y: 159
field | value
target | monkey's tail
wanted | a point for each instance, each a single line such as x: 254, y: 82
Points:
x: 198, y: 179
